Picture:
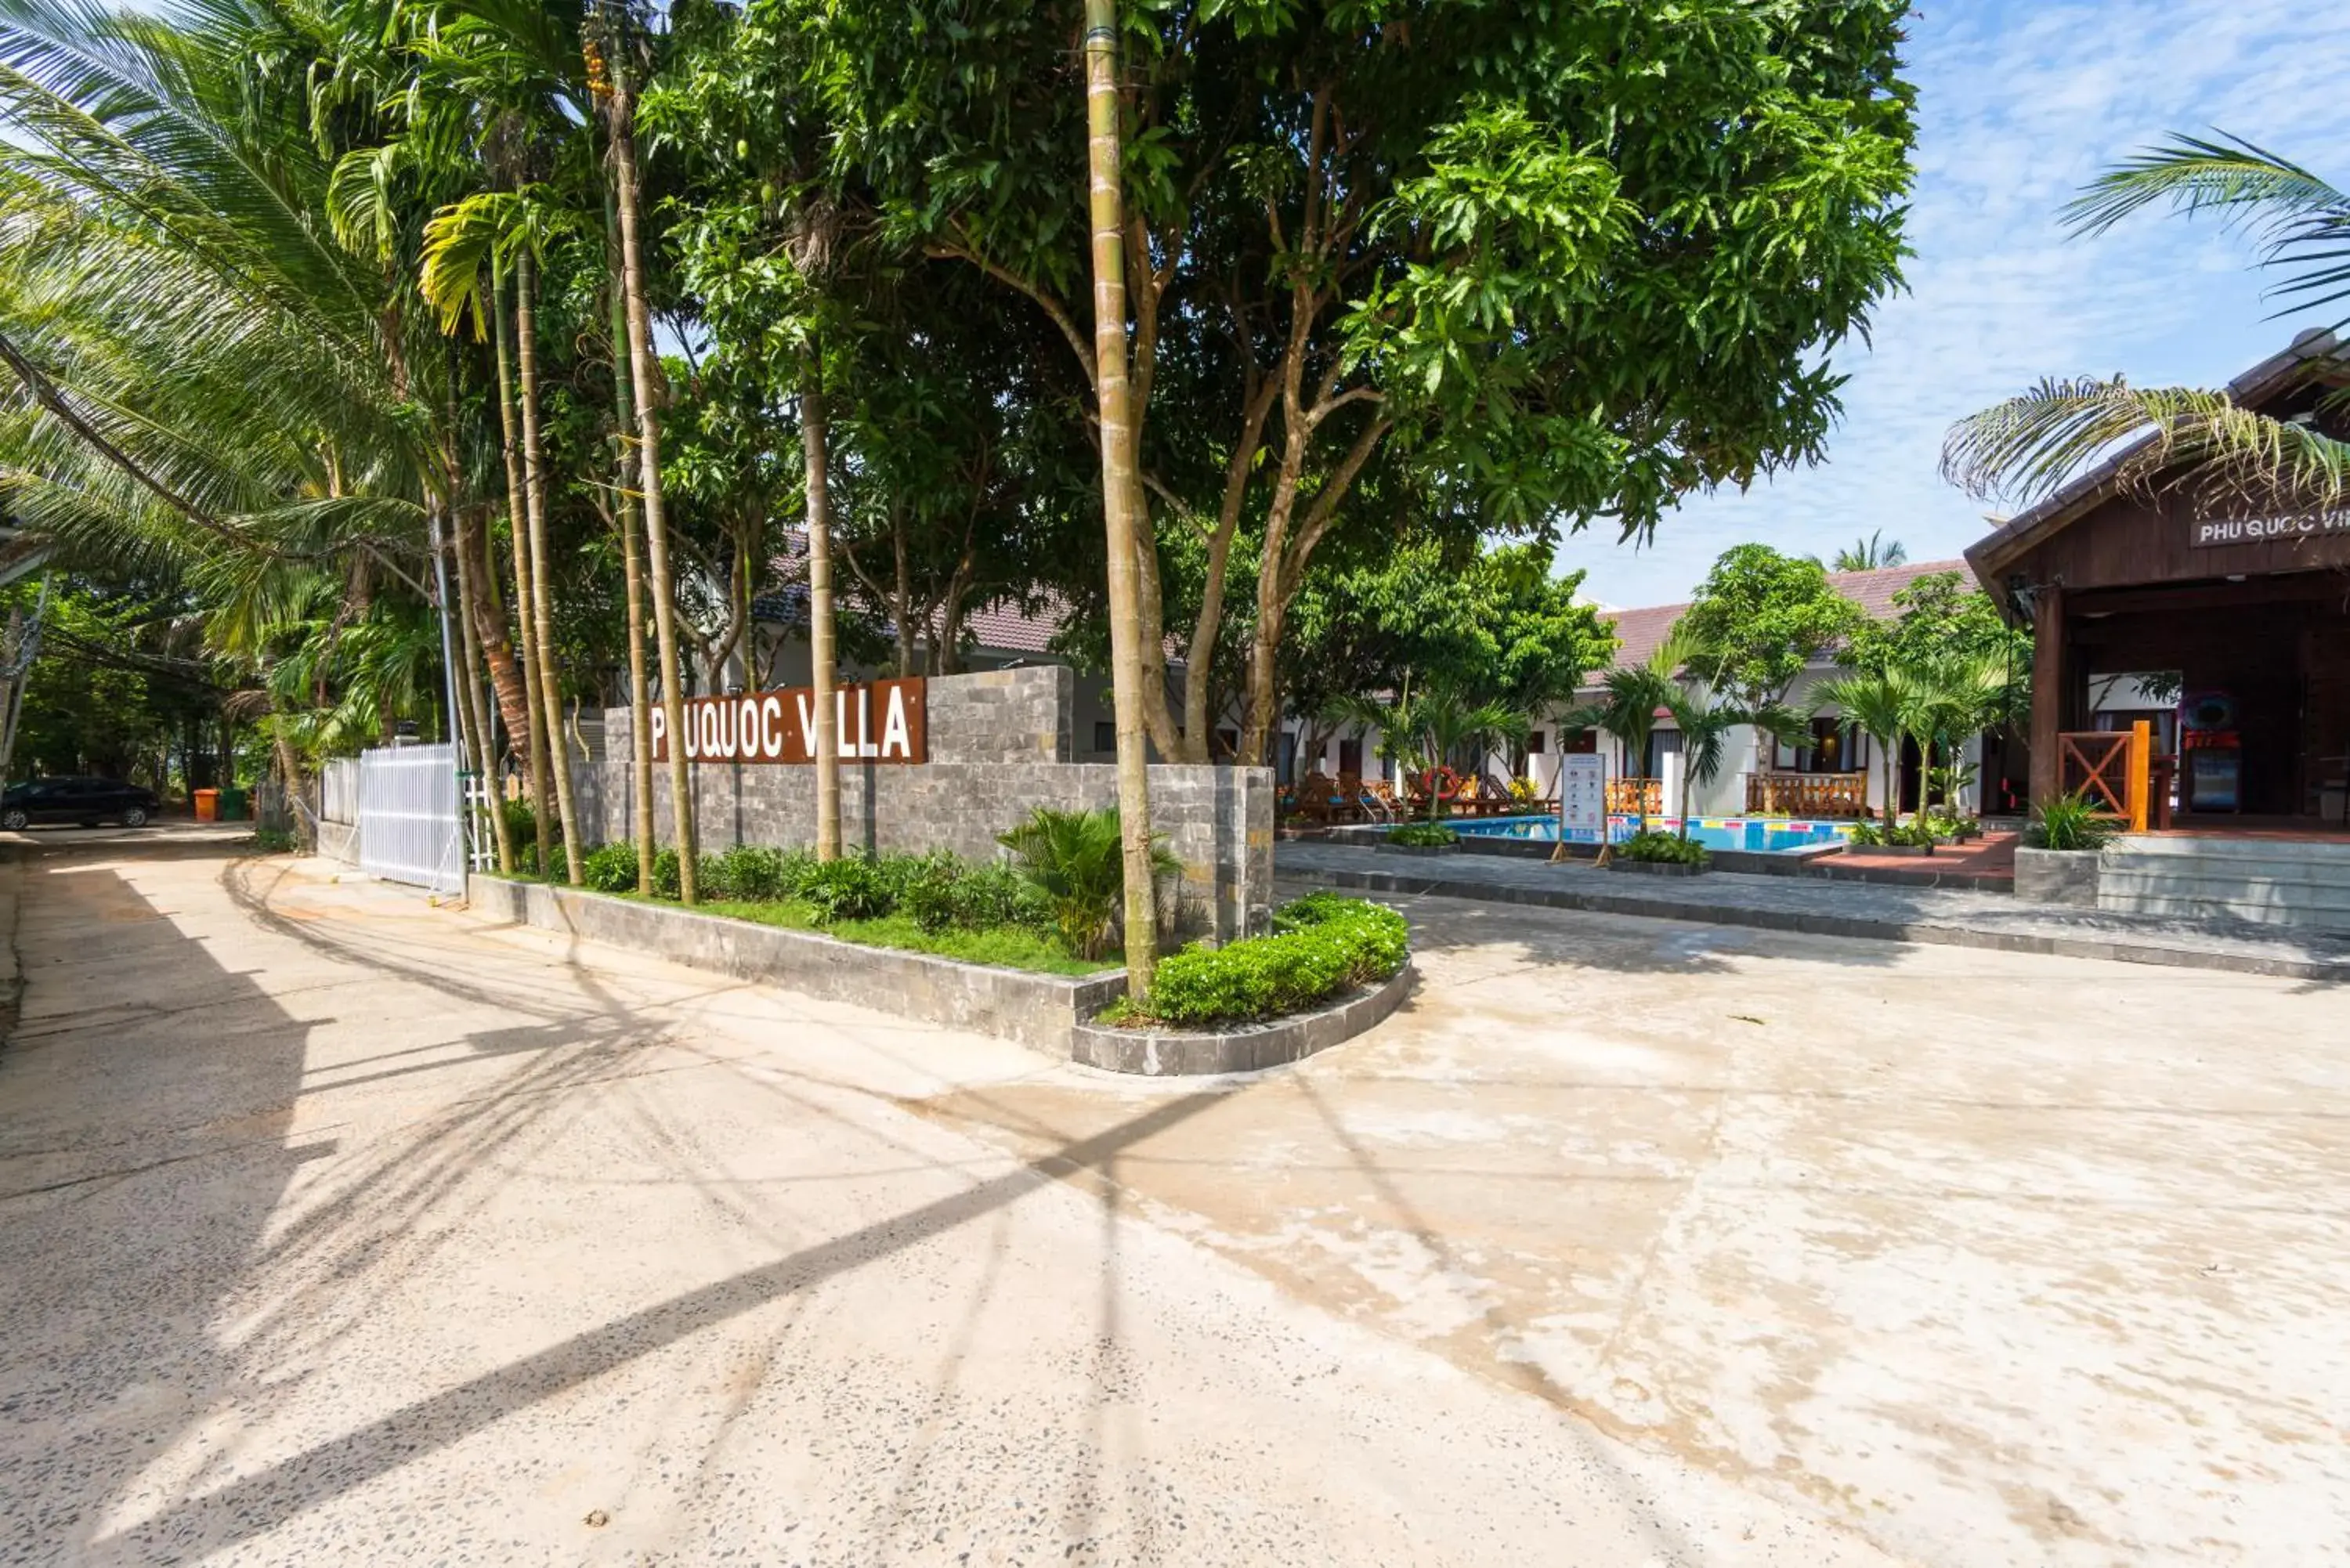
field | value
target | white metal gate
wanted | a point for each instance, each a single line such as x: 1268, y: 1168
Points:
x: 408, y: 830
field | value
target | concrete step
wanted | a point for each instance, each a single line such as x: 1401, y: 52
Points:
x: 2302, y: 852
x: 2333, y: 922
x: 2241, y: 903
x: 2276, y: 882
x: 2270, y: 883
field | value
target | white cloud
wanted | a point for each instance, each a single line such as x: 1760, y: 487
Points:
x: 2020, y: 103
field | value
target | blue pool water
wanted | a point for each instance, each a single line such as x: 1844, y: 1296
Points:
x: 1769, y: 836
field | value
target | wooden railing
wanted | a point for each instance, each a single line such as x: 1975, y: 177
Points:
x: 2111, y: 769
x: 1807, y: 794
x: 1629, y: 797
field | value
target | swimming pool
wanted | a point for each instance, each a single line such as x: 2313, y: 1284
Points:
x: 1766, y: 834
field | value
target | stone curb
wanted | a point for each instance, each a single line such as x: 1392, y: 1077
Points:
x: 1040, y: 1011
x: 1170, y: 1053
x: 2119, y: 949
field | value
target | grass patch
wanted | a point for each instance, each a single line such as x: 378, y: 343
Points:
x: 1005, y: 947
x: 936, y: 904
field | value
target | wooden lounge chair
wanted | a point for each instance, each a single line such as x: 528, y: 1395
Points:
x: 1378, y: 800
x: 1318, y: 800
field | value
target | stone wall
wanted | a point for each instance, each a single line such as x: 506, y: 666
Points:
x: 1000, y: 745
x: 1041, y: 1010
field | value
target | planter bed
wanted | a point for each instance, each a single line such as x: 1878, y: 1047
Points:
x: 1034, y: 1009
x: 1242, y: 1047
x: 1656, y: 867
x: 2071, y: 877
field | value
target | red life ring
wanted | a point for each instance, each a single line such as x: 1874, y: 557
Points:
x: 1443, y: 782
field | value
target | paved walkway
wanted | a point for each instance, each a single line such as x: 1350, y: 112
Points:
x: 1952, y: 916
x: 2012, y: 1262
x: 340, y: 1230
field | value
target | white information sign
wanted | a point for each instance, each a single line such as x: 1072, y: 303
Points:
x: 1582, y: 797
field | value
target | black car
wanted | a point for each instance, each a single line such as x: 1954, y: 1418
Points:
x: 83, y: 800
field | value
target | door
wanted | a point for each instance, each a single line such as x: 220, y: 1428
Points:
x: 82, y: 800
x: 46, y: 801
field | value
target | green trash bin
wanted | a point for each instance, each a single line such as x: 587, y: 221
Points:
x: 234, y: 804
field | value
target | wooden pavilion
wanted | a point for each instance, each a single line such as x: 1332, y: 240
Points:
x: 2213, y: 636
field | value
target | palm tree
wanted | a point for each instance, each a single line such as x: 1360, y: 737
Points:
x: 1944, y: 702
x: 1873, y: 700
x: 1871, y: 553
x: 1632, y: 695
x: 1705, y: 723
x: 1424, y: 730
x: 213, y: 384
x: 2029, y: 445
x: 1124, y: 517
x: 611, y: 75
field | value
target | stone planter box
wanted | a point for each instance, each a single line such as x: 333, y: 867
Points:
x: 1654, y: 867
x: 2057, y: 876
x: 1915, y: 851
x: 1419, y: 848
x: 1040, y: 1011
x: 1247, y: 1048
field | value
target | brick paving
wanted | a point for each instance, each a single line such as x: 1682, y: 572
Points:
x: 1989, y: 863
x: 1955, y: 917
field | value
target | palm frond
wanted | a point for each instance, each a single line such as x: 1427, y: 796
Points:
x: 2300, y: 220
x: 2030, y: 445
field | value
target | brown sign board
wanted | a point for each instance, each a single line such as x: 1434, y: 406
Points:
x: 2211, y: 533
x: 883, y: 722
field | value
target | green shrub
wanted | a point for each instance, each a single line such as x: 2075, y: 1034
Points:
x: 1866, y: 835
x: 759, y: 874
x: 1075, y: 861
x: 2068, y: 822
x: 522, y: 823
x: 1316, y: 909
x: 949, y: 895
x: 1918, y: 833
x: 1322, y: 945
x: 849, y: 888
x: 274, y: 840
x: 610, y: 867
x: 1662, y: 849
x: 1423, y: 835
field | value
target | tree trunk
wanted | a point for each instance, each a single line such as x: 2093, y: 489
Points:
x: 484, y: 758
x: 534, y: 730
x: 642, y: 374
x: 640, y: 706
x: 542, y: 600
x: 904, y: 604
x: 1199, y: 713
x: 509, y: 692
x: 1119, y: 485
x: 814, y: 434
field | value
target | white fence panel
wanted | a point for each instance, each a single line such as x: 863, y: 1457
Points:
x: 338, y: 790
x: 408, y: 830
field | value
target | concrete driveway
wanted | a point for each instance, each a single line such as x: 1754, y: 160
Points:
x: 2002, y: 1259
x: 337, y: 1228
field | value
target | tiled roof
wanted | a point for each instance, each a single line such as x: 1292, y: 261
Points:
x: 1639, y: 632
x: 998, y: 627
x: 1002, y: 628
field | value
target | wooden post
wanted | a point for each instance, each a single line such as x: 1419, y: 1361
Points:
x: 2048, y: 675
x: 2141, y: 767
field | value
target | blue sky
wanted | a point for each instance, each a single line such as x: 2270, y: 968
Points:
x: 2020, y: 102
